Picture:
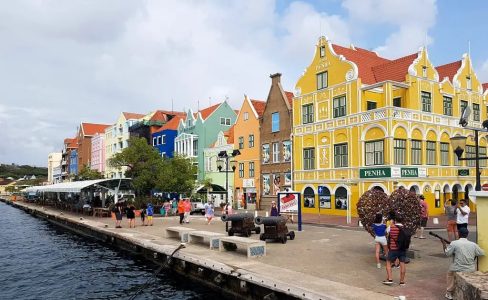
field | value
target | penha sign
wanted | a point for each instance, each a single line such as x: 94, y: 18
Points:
x: 375, y: 173
x: 393, y: 172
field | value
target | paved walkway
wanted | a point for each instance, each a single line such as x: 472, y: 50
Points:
x: 337, y: 263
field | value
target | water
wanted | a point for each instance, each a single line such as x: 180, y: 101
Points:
x: 41, y: 261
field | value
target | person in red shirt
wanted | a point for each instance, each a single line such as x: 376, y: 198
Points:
x: 394, y: 252
x: 424, y: 216
x: 187, y: 205
x: 181, y: 210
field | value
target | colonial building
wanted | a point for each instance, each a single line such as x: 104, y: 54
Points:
x: 53, y: 161
x: 117, y: 138
x: 70, y: 144
x: 85, y: 133
x: 98, y: 153
x: 150, y: 123
x: 248, y: 163
x: 163, y: 139
x: 362, y: 121
x: 199, y: 130
x: 275, y: 134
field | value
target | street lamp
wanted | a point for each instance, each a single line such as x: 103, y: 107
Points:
x: 458, y: 143
x: 224, y: 156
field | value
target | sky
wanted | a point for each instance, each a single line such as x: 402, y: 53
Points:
x: 67, y: 62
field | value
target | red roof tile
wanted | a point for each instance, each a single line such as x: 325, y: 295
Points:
x: 289, y: 96
x: 259, y: 106
x: 71, y: 143
x: 90, y: 129
x: 448, y: 70
x: 129, y: 116
x: 364, y: 59
x: 485, y: 86
x: 206, y: 112
x: 230, y: 135
x: 395, y: 70
x: 171, y: 124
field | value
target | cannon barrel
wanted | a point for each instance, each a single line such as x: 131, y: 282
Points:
x: 270, y: 221
x: 236, y: 217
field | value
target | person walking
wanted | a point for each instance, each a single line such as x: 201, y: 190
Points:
x: 464, y: 254
x: 181, y: 210
x: 143, y: 215
x: 274, y: 209
x: 209, y: 211
x: 150, y: 214
x: 187, y: 205
x: 379, y: 229
x: 167, y: 208
x: 131, y: 216
x: 462, y: 215
x: 450, y: 208
x: 424, y: 216
x: 118, y: 215
x: 395, y: 252
x: 174, y: 206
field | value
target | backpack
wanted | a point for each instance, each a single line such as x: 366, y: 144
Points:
x: 404, y: 238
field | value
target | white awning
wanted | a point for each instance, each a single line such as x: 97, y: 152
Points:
x: 65, y: 187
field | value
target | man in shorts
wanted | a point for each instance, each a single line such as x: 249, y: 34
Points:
x: 394, y: 252
x: 450, y: 207
x: 462, y: 215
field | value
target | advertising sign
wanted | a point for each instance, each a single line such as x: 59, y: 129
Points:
x: 289, y: 203
x: 266, y: 153
x: 266, y: 186
x: 286, y: 151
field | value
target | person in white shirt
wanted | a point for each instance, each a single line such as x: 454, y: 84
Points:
x: 464, y: 254
x: 462, y: 215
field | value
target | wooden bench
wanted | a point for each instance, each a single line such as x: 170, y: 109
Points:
x: 178, y: 232
x: 254, y: 248
x: 205, y: 237
x: 101, y: 212
x: 289, y: 216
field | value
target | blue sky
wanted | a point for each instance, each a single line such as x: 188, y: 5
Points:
x: 67, y: 62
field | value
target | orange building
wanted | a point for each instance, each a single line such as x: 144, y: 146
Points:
x: 246, y: 139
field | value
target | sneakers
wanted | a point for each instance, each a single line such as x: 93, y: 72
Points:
x: 378, y: 265
x: 402, y: 283
x: 448, y: 295
x: 388, y: 282
x: 396, y: 266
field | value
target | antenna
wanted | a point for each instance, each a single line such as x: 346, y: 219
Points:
x: 198, y: 105
x: 172, y: 105
x: 469, y: 55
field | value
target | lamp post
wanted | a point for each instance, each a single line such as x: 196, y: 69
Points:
x: 224, y: 156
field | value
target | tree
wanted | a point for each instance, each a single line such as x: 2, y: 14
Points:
x: 143, y: 162
x: 88, y: 174
x: 178, y: 175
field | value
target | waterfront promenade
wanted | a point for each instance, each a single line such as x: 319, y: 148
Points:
x: 322, y: 262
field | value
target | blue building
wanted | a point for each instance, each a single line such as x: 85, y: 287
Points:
x: 164, y: 138
x: 73, y: 162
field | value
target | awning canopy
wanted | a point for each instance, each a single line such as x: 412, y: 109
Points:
x: 77, y: 186
x: 215, y: 189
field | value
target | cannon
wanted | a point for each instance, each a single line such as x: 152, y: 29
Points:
x: 275, y: 229
x: 242, y: 224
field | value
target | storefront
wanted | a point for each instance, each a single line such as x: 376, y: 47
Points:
x: 250, y: 193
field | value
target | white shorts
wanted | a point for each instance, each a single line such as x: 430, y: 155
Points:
x: 381, y: 240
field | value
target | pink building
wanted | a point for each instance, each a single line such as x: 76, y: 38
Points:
x: 98, y: 153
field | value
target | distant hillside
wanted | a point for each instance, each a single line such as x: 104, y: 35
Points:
x: 17, y: 171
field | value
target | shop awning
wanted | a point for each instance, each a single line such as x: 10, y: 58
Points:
x: 215, y: 189
x: 77, y: 186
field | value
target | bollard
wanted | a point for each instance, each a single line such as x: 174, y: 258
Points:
x: 255, y: 213
x: 267, y: 214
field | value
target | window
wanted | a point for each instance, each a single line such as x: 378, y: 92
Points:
x: 424, y: 71
x: 208, y: 164
x: 470, y: 152
x: 241, y: 142
x: 476, y: 112
x: 309, y: 159
x: 374, y: 153
x: 447, y: 106
x: 444, y: 154
x: 400, y: 151
x: 163, y: 154
x: 307, y: 111
x: 397, y: 102
x: 241, y: 170
x: 468, y: 83
x: 339, y: 106
x: 251, y: 169
x: 482, y: 154
x: 195, y: 147
x: 227, y: 121
x: 246, y: 116
x: 431, y: 151
x: 370, y: 105
x: 309, y: 197
x: 159, y: 140
x: 155, y: 141
x: 426, y: 102
x: 464, y: 104
x: 341, y: 198
x: 340, y: 155
x: 321, y: 80
x: 265, y: 153
x: 251, y: 140
x: 322, y: 51
x: 416, y: 152
x: 276, y: 152
x: 275, y: 122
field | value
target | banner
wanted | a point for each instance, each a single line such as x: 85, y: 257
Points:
x: 288, y: 202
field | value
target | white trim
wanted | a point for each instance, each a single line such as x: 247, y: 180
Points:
x: 427, y: 133
x: 417, y: 190
x: 377, y: 184
x: 365, y: 131
x: 338, y: 186
x: 443, y: 186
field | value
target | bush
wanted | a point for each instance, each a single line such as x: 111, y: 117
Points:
x: 371, y: 203
x: 407, y: 205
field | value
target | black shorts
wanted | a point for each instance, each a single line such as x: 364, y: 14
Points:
x: 423, y: 222
x: 394, y: 254
x: 463, y: 225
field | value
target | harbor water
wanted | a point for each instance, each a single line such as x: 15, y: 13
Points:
x: 41, y: 261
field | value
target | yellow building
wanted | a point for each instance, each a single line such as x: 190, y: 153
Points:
x: 361, y: 121
x: 247, y: 140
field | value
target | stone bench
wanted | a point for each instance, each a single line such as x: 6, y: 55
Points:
x: 254, y: 248
x: 178, y: 232
x: 205, y: 237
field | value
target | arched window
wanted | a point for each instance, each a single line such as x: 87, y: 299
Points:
x: 341, y: 198
x: 378, y: 188
x: 309, y: 197
x: 324, y: 197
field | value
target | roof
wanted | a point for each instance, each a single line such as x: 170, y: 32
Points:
x: 71, y: 143
x: 364, y: 59
x: 259, y: 106
x: 448, y: 70
x: 289, y: 96
x: 89, y: 129
x: 395, y: 70
x: 171, y: 124
x: 128, y: 115
x: 485, y: 86
x: 5, y: 181
x: 206, y: 112
x: 76, y: 186
x: 230, y: 135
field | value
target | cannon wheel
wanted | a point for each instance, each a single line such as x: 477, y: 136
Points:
x: 231, y: 232
x: 261, y: 237
x: 248, y: 233
x: 283, y: 239
x: 258, y: 230
x: 292, y: 235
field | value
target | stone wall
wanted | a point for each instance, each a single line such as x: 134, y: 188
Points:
x: 473, y: 286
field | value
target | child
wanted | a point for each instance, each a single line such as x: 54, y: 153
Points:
x: 380, y: 238
x: 150, y: 213
x: 209, y: 212
x: 187, y: 206
x: 274, y: 210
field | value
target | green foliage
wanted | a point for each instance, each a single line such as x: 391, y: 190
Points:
x: 178, y: 175
x: 88, y: 174
x: 17, y: 171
